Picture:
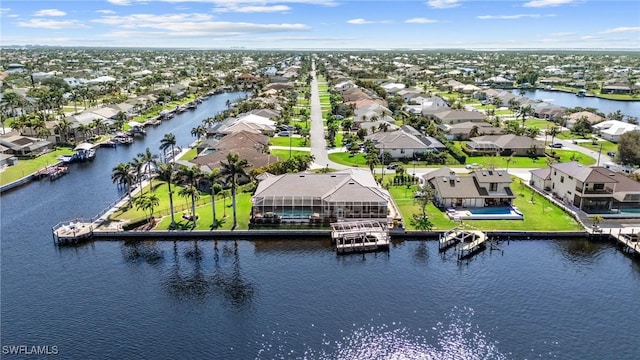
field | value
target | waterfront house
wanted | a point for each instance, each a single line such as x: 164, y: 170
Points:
x: 480, y: 188
x: 24, y: 146
x: 345, y: 195
x: 592, y: 189
x: 504, y: 145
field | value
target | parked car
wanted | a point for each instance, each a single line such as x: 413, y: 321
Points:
x: 284, y: 133
x: 556, y: 145
x: 392, y: 166
x: 473, y: 166
x: 611, y: 153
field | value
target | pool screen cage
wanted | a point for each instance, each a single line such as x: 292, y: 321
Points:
x: 308, y: 207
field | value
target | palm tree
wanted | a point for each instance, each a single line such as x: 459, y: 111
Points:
x: 123, y: 174
x: 168, y: 141
x: 213, y: 177
x: 372, y: 160
x: 190, y: 175
x: 147, y: 202
x: 12, y: 100
x: 475, y: 131
x: 532, y: 132
x: 199, y: 131
x: 553, y: 131
x: 166, y: 173
x: 524, y: 111
x: 136, y: 167
x: 231, y: 171
x: 62, y: 128
x: 148, y: 159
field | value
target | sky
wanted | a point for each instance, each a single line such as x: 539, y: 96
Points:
x: 323, y: 24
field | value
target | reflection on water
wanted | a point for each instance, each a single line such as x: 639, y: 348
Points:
x: 581, y: 251
x: 195, y: 280
x: 456, y: 337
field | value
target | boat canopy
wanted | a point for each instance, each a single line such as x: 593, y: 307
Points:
x: 84, y: 146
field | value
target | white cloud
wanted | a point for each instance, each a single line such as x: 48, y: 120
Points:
x: 360, y: 21
x: 188, y: 25
x: 547, y: 3
x: 49, y: 12
x: 565, y: 33
x: 52, y: 24
x: 443, y: 4
x: 589, y: 37
x: 4, y: 10
x: 240, y: 3
x: 106, y: 12
x: 420, y: 21
x: 512, y: 17
x: 252, y: 8
x: 621, y: 29
x: 120, y: 2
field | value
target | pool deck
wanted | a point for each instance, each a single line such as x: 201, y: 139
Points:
x: 467, y: 214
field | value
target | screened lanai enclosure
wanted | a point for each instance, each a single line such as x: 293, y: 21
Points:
x: 481, y: 148
x: 308, y: 209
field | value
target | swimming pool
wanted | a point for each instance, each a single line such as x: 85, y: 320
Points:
x: 491, y: 210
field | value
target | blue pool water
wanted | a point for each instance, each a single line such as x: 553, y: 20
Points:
x: 491, y: 210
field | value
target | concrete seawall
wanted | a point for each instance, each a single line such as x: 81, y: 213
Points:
x: 308, y: 234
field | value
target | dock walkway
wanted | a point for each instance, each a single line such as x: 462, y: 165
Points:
x: 360, y: 236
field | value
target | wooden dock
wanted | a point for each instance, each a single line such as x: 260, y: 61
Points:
x: 73, y: 232
x: 467, y: 242
x: 473, y: 242
x: 360, y: 236
x: 629, y: 239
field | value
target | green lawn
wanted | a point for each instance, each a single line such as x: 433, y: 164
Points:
x: 345, y: 158
x: 536, y: 213
x: 606, y: 146
x: 284, y: 141
x: 539, y: 123
x: 183, y: 205
x: 25, y: 167
x: 190, y: 155
x: 284, y: 154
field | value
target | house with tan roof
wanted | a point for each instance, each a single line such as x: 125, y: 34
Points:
x: 504, y: 145
x: 573, y: 118
x: 480, y: 188
x: 458, y: 116
x: 349, y: 195
x: 595, y: 190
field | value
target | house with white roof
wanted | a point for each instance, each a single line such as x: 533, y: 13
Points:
x: 612, y: 129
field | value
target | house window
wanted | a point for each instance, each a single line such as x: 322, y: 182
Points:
x: 598, y: 186
x: 570, y: 177
x: 401, y: 151
x: 493, y: 187
x: 554, y: 173
x: 561, y: 179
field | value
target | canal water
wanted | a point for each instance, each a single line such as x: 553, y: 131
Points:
x: 296, y: 299
x: 628, y: 108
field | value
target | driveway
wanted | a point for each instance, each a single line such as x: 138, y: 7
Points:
x: 568, y: 144
x: 318, y: 143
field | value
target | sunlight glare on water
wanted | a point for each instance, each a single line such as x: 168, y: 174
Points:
x: 455, y: 338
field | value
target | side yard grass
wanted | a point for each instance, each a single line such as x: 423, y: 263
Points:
x: 537, y: 212
x: 25, y: 167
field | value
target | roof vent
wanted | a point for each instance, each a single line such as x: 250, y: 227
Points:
x: 333, y: 176
x: 301, y: 175
x: 612, y: 174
